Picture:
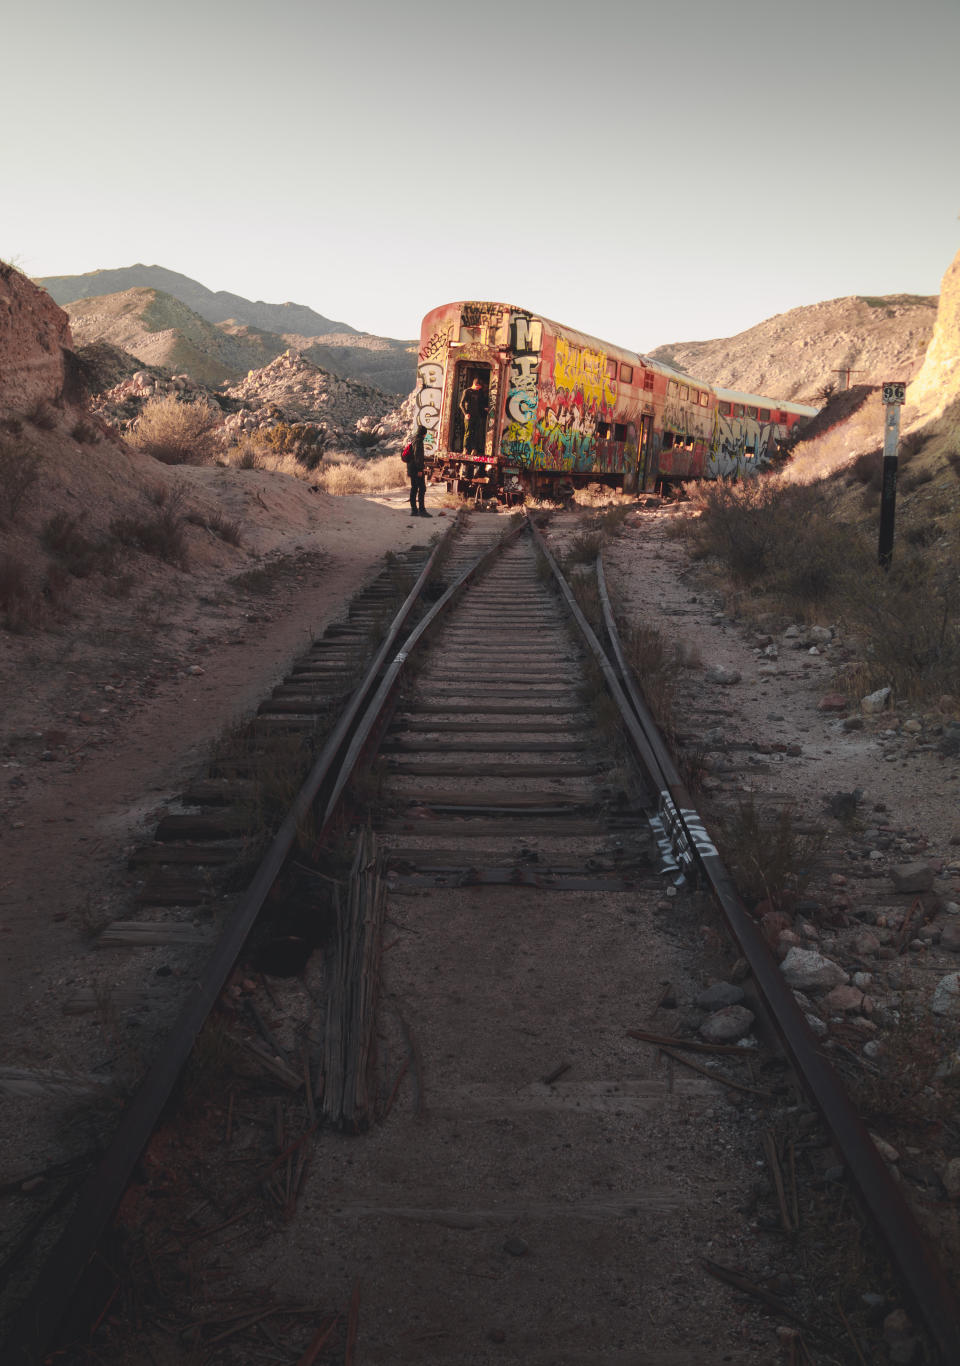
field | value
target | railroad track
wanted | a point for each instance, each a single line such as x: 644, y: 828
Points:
x: 520, y: 833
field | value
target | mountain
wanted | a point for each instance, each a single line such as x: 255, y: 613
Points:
x: 217, y: 306
x: 794, y: 355
x: 160, y: 330
x: 388, y: 363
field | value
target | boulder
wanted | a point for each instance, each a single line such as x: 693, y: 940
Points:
x: 875, y: 701
x: 808, y: 970
x: 725, y: 677
x: 718, y: 995
x: 843, y: 999
x: 727, y: 1025
x: 946, y: 996
x: 912, y: 877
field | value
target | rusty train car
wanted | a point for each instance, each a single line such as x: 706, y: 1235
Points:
x: 565, y: 409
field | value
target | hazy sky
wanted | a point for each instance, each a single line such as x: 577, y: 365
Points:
x: 646, y: 172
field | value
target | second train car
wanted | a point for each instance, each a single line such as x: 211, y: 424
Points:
x: 550, y: 406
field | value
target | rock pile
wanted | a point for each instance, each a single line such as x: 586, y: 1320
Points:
x: 291, y: 389
x: 337, y: 413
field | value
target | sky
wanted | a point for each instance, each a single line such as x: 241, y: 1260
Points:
x: 642, y: 172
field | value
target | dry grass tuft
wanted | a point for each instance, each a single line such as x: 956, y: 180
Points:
x: 176, y: 433
x: 769, y: 858
x: 346, y: 475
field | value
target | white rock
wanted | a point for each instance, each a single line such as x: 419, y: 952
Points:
x: 875, y: 701
x: 946, y: 995
x: 810, y: 971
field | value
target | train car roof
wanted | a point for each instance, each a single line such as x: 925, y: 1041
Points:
x: 760, y: 401
x: 585, y: 341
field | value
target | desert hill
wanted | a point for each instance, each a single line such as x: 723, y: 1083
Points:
x: 270, y: 329
x: 216, y: 306
x: 162, y: 331
x: 795, y: 355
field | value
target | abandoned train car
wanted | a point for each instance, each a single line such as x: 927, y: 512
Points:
x: 553, y: 407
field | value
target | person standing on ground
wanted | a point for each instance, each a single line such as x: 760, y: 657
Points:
x: 416, y: 461
x: 473, y: 405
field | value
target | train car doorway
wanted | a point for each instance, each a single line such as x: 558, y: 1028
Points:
x: 466, y: 372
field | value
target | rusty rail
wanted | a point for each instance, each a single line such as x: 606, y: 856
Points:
x: 909, y: 1252
x: 31, y: 1329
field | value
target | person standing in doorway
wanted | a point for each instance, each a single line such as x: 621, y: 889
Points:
x: 416, y: 462
x: 473, y: 405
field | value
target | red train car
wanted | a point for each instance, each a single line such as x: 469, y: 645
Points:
x: 558, y: 407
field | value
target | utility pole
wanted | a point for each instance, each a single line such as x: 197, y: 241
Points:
x: 894, y: 393
x: 845, y: 373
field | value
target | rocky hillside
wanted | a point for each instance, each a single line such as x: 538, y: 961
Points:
x: 292, y: 389
x: 795, y: 355
x: 270, y: 329
x: 37, y: 364
x: 937, y: 385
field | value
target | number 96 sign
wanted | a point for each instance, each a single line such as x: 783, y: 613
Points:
x: 894, y: 391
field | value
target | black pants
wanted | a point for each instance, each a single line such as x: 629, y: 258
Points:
x: 418, y: 490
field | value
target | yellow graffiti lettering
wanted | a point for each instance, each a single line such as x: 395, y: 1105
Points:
x: 585, y: 370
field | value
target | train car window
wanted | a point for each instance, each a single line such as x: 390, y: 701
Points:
x: 725, y: 408
x: 620, y: 431
x: 648, y: 379
x: 751, y: 412
x: 738, y: 410
x: 603, y: 431
x: 704, y: 398
x: 763, y: 414
x: 667, y: 440
x: 612, y: 368
x: 684, y: 392
x: 626, y: 373
x: 672, y: 388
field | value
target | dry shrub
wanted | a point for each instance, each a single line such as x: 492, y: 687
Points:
x: 910, y: 617
x: 176, y: 433
x: 584, y: 548
x: 247, y: 454
x: 305, y: 441
x: 656, y: 664
x: 218, y: 524
x: 79, y: 554
x: 784, y: 536
x: 159, y: 533
x: 42, y: 415
x: 768, y: 855
x: 84, y: 432
x: 19, y: 471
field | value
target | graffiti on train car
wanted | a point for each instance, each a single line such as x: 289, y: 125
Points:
x: 739, y: 446
x: 435, y: 347
x: 526, y: 337
x: 429, y: 394
x: 583, y: 374
x: 578, y: 397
